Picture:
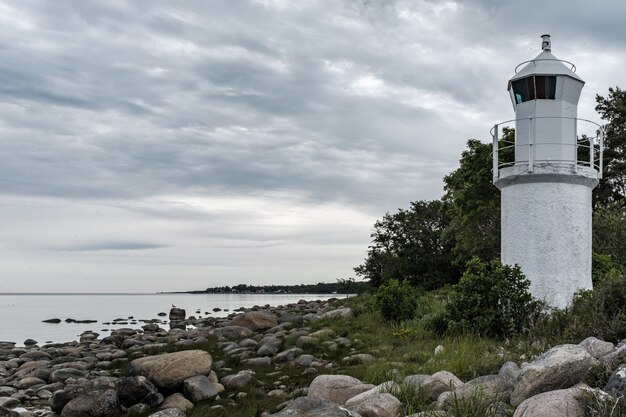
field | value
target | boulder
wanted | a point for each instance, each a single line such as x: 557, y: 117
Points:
x: 358, y: 359
x: 439, y: 382
x: 379, y: 405
x: 28, y: 382
x: 232, y: 332
x: 560, y: 367
x: 5, y: 412
x: 61, y: 397
x: 199, y: 388
x: 169, y: 370
x: 340, y: 312
x: 337, y: 388
x: 137, y: 389
x: 616, y: 386
x: 237, y: 381
x: 510, y: 371
x: 93, y: 404
x: 318, y: 407
x: 596, y: 347
x: 255, y: 320
x: 561, y: 402
x: 178, y: 401
x: 389, y: 386
x: 490, y: 388
x: 177, y: 314
x: 169, y: 412
x: 60, y: 375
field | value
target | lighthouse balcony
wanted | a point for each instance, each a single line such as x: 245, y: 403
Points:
x: 540, y: 145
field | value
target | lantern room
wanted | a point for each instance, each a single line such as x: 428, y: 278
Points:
x: 545, y: 95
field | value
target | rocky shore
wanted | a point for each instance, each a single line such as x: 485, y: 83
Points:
x: 218, y: 363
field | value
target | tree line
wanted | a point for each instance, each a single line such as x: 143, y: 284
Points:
x: 429, y: 243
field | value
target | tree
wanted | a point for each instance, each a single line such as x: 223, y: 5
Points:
x: 609, y: 231
x: 473, y: 205
x: 408, y: 245
x: 612, y: 187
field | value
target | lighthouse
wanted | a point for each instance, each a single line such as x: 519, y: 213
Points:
x: 546, y: 176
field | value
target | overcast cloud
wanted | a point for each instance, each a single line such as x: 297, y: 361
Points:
x: 170, y: 145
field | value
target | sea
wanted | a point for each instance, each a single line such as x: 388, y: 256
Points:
x: 23, y: 314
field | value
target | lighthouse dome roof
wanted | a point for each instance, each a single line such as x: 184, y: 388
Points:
x: 546, y: 64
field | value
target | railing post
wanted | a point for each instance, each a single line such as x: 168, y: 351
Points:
x: 601, y: 151
x: 592, y: 152
x: 496, y: 157
x: 531, y: 140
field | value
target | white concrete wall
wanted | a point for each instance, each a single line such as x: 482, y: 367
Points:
x: 546, y: 229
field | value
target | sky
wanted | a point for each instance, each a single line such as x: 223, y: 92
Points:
x: 177, y: 145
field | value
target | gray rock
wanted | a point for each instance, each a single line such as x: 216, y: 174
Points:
x: 60, y: 398
x: 7, y: 391
x: 5, y: 412
x: 616, y: 386
x: 337, y: 388
x: 266, y: 360
x: 358, y: 359
x: 60, y: 375
x: 560, y: 367
x: 199, y: 388
x: 169, y: 412
x: 255, y: 320
x: 439, y: 382
x: 137, y: 409
x: 248, y: 343
x: 232, y: 332
x: 237, y: 381
x: 93, y: 404
x: 378, y: 405
x: 29, y: 382
x: 490, y: 388
x: 304, y: 360
x: 169, y: 370
x: 510, y: 371
x: 137, y: 389
x: 596, y: 347
x: 389, y: 386
x: 323, y: 333
x: 177, y: 314
x: 561, y: 402
x: 268, y: 349
x: 178, y: 401
x: 318, y: 407
x: 338, y: 313
x: 287, y: 355
x: 9, y: 402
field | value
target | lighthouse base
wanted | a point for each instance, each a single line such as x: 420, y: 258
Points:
x: 546, y: 230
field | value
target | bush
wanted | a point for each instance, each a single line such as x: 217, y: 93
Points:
x: 397, y: 301
x: 491, y: 299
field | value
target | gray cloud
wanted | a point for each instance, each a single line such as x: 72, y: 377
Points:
x: 144, y: 120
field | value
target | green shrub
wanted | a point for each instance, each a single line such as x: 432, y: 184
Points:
x: 491, y: 299
x: 602, y: 268
x: 397, y: 301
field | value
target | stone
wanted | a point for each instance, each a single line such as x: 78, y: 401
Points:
x: 439, y: 382
x: 309, y: 407
x: 596, y: 347
x: 169, y: 412
x: 323, y: 333
x: 93, y: 404
x: 178, y: 401
x: 560, y: 367
x: 60, y: 375
x: 232, y: 332
x: 337, y: 388
x: 277, y: 393
x: 199, y: 388
x: 29, y: 382
x: 255, y: 320
x: 415, y: 380
x: 439, y: 350
x: 287, y: 355
x: 491, y: 388
x: 510, y: 371
x: 9, y: 402
x: 561, y: 402
x: 237, y: 381
x: 137, y: 389
x: 616, y: 385
x: 265, y: 360
x: 379, y: 405
x: 177, y: 314
x: 389, y: 386
x: 338, y: 313
x: 267, y: 349
x: 138, y: 409
x: 358, y: 359
x: 5, y: 412
x: 30, y: 342
x: 169, y: 370
x: 55, y: 321
x: 60, y: 398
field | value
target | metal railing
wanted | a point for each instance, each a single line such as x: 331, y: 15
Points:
x: 589, y: 149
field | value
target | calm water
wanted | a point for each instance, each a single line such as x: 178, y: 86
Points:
x: 22, y: 314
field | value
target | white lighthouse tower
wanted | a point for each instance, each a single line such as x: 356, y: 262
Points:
x: 547, y: 180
